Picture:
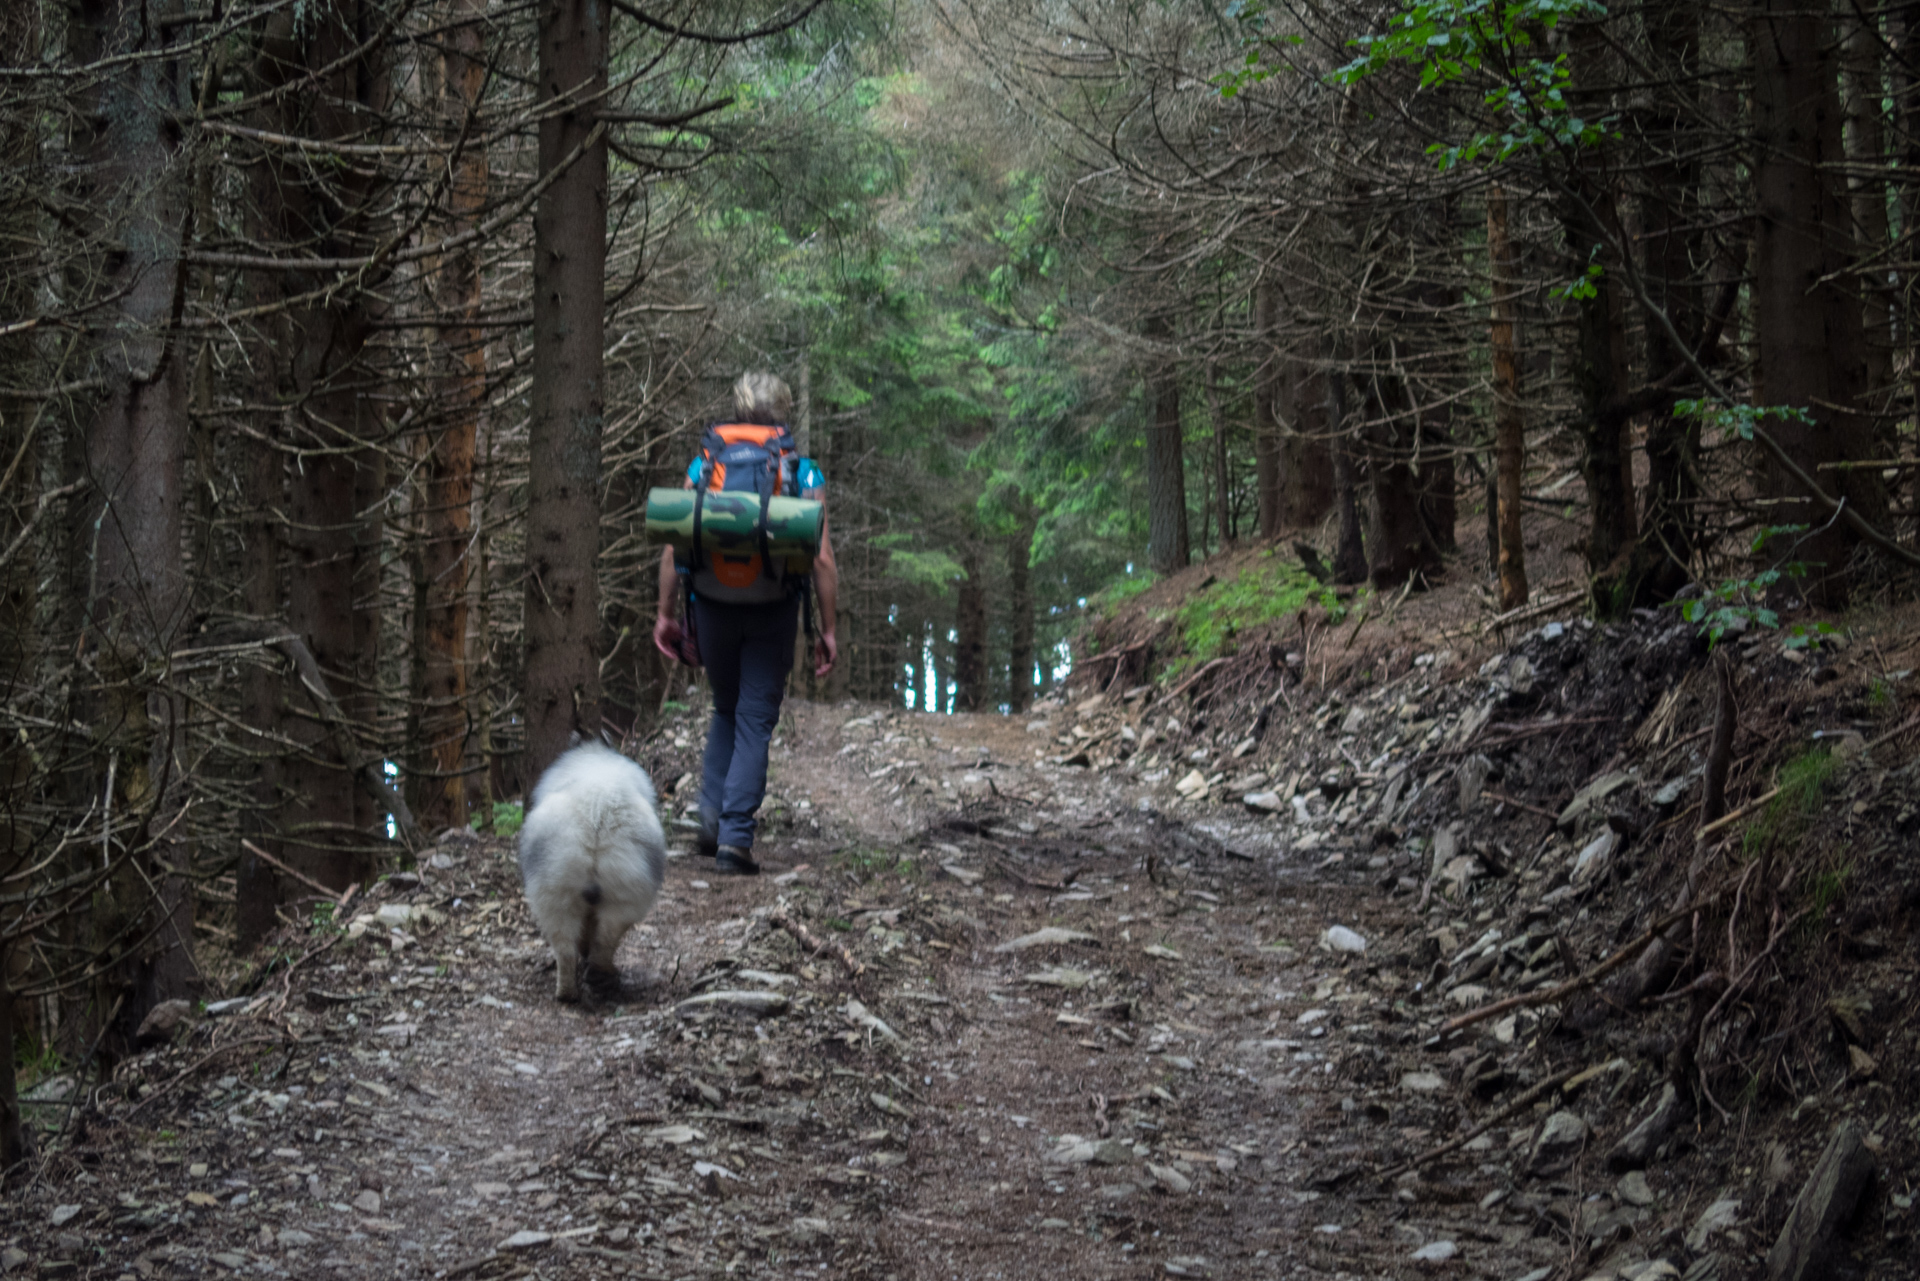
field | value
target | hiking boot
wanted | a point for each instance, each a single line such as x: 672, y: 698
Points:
x: 706, y: 842
x: 731, y: 860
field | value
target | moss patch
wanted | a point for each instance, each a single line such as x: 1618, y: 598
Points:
x: 1212, y: 618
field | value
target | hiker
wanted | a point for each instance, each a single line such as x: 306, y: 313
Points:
x: 742, y: 612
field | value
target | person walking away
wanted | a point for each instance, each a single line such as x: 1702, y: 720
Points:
x: 743, y: 614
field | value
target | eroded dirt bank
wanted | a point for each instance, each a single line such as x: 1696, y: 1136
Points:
x: 1051, y: 997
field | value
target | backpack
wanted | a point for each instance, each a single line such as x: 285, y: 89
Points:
x: 746, y: 458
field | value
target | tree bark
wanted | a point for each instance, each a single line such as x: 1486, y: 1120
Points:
x: 562, y: 674
x: 133, y: 510
x: 1590, y: 220
x: 1812, y: 347
x: 1167, y: 546
x: 970, y: 627
x: 1670, y: 527
x: 1020, y: 655
x: 19, y: 483
x: 1266, y: 424
x: 1223, y: 502
x: 441, y: 691
x: 1401, y: 545
x: 1349, y: 552
x: 1306, y: 456
x: 1867, y: 156
x: 311, y: 359
x: 1509, y: 422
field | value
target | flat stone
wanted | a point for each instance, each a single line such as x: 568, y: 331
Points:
x: 1634, y: 1189
x: 1716, y: 1218
x: 1339, y: 938
x: 745, y: 1002
x: 1650, y: 1270
x: 1052, y: 936
x: 293, y: 1238
x: 1588, y: 801
x: 368, y: 1202
x: 1264, y: 802
x: 526, y: 1239
x: 1559, y: 1142
x: 63, y: 1214
x: 1595, y: 856
x: 1639, y: 1144
x: 1422, y: 1082
x: 1806, y: 1245
x: 1436, y: 1252
x: 1671, y: 791
x: 1472, y: 777
x: 1170, y: 1179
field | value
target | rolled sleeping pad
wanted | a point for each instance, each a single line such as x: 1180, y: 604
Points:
x: 730, y: 525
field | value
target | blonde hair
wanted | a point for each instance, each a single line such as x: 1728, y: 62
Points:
x: 759, y: 397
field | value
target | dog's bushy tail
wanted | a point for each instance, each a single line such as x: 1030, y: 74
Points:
x: 590, y: 923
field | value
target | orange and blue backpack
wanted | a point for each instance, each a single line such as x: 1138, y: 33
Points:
x: 757, y: 459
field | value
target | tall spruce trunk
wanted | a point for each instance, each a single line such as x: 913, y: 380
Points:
x: 1349, y: 549
x: 1401, y: 546
x: 970, y: 631
x: 1590, y: 220
x: 1167, y: 546
x: 132, y: 512
x: 1811, y: 342
x: 20, y: 175
x: 331, y: 424
x: 1670, y: 524
x: 1306, y: 459
x: 1866, y: 147
x: 562, y: 673
x: 1509, y: 421
x: 1268, y: 371
x: 1020, y: 655
x: 440, y: 693
x: 1222, y: 478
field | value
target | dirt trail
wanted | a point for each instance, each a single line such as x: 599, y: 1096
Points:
x: 1169, y: 1092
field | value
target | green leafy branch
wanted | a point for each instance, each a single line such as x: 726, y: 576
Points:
x: 1736, y: 604
x: 1738, y: 420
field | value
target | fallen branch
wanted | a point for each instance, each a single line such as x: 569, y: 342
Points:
x: 1745, y: 811
x: 1526, y: 613
x: 1525, y: 1099
x: 814, y: 944
x: 332, y: 896
x: 1588, y: 979
x: 1726, y: 719
x: 210, y: 1056
x: 1504, y: 799
x: 1188, y: 683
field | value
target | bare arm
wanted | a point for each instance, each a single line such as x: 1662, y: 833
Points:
x: 668, y: 635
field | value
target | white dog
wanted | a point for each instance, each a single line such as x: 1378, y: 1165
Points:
x: 592, y: 857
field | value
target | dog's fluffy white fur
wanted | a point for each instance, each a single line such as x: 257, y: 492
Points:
x: 592, y: 857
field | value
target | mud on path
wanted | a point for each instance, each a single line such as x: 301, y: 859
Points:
x: 1167, y: 1084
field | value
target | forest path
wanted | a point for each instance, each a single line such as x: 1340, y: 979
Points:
x: 1169, y: 1091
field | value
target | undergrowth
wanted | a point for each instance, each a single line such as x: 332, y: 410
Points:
x: 1803, y: 788
x: 1211, y: 618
